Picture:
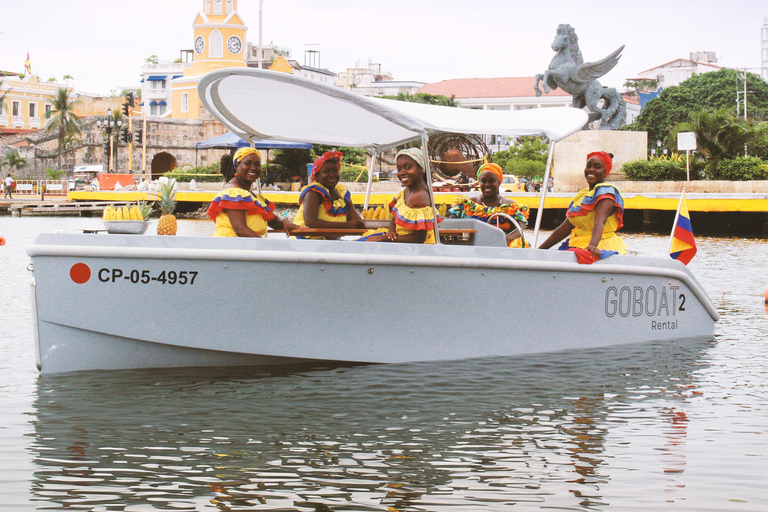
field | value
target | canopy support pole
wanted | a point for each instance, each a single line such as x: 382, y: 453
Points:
x: 540, y: 212
x: 428, y: 170
x: 370, y: 179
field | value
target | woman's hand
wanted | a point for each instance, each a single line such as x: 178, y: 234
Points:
x: 289, y: 226
x: 355, y: 224
x: 594, y: 251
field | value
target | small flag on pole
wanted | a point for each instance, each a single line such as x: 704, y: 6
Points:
x: 28, y: 65
x: 682, y: 246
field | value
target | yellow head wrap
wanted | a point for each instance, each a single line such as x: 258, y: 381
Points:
x: 490, y: 167
x: 242, y: 153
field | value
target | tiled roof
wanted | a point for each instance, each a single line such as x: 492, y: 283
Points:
x: 506, y: 87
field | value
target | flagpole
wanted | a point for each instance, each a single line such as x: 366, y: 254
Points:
x: 674, y: 223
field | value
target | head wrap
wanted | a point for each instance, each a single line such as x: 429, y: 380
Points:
x: 242, y: 153
x: 491, y: 167
x: 327, y: 157
x: 605, y: 158
x: 415, y: 153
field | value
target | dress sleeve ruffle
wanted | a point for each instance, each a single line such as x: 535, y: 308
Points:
x: 415, y: 219
x: 239, y: 199
x: 590, y: 200
x: 464, y: 208
x: 340, y: 207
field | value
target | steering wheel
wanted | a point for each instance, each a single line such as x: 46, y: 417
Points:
x: 514, y: 222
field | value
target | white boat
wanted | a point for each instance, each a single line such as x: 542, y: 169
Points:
x: 122, y: 301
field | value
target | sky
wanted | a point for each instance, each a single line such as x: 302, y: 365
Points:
x: 102, y: 44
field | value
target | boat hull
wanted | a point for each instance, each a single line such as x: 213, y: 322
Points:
x: 107, y: 302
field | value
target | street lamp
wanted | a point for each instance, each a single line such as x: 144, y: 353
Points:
x: 109, y: 124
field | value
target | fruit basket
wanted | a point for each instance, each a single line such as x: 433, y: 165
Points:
x: 126, y: 227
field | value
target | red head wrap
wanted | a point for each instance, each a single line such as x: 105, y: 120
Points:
x: 605, y: 158
x: 327, y: 156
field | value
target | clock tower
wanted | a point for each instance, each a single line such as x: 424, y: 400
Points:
x: 218, y: 42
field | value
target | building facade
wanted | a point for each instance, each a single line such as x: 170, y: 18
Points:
x: 26, y: 103
x: 218, y: 41
x: 676, y: 71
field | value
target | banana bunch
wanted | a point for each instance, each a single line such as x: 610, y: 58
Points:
x: 442, y: 210
x: 123, y: 213
x: 381, y: 212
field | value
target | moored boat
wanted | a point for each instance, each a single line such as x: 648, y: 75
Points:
x: 176, y: 294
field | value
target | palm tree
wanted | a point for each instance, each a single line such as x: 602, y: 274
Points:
x: 719, y: 134
x: 13, y: 160
x: 63, y: 119
x: 3, y: 95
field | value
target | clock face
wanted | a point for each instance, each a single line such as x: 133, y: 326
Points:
x: 234, y: 45
x: 199, y: 45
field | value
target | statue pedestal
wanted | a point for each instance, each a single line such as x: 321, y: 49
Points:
x: 571, y: 155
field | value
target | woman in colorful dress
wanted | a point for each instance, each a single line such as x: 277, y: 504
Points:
x: 325, y: 202
x: 236, y: 210
x: 413, y: 219
x: 489, y: 203
x: 595, y: 213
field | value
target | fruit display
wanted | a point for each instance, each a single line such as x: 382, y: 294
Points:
x: 128, y: 212
x: 381, y: 212
x: 166, y: 196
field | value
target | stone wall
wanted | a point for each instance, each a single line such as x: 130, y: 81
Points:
x: 571, y: 155
x: 170, y: 144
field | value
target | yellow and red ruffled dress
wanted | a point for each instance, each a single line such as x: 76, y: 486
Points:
x: 408, y: 220
x: 464, y: 208
x: 258, y: 210
x: 330, y: 210
x: 581, y: 213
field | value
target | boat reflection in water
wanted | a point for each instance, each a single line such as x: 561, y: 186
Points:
x: 535, y: 431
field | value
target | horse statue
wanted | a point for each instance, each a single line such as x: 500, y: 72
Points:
x: 568, y: 71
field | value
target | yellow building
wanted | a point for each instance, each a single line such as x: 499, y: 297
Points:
x: 26, y: 102
x: 218, y: 42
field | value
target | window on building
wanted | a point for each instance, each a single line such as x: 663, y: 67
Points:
x: 216, y: 46
x: 32, y: 110
x: 216, y: 6
x: 765, y: 53
x: 660, y: 78
x: 161, y: 108
x: 48, y: 108
x: 230, y: 6
x: 207, y: 6
x: 2, y: 107
x: 153, y: 108
x: 15, y: 108
x: 184, y: 102
x: 765, y: 34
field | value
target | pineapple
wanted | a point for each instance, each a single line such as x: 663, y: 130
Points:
x: 166, y: 196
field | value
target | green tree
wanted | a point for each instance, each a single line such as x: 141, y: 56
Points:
x: 62, y: 119
x: 526, y: 158
x: 3, y: 95
x: 707, y: 91
x: 431, y: 99
x: 719, y: 134
x: 12, y: 160
x: 54, y: 174
x: 152, y: 59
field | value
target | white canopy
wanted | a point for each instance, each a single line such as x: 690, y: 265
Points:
x: 264, y: 104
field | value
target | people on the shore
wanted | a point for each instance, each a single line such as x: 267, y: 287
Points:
x: 236, y: 210
x: 490, y: 202
x: 325, y: 202
x: 413, y: 218
x: 595, y: 213
x: 8, y: 183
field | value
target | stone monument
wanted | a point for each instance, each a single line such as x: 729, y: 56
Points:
x: 568, y: 71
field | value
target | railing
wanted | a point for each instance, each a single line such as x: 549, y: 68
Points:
x: 3, y: 120
x: 18, y: 121
x: 35, y: 187
x: 34, y: 122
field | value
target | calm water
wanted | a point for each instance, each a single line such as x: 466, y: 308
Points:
x: 647, y: 427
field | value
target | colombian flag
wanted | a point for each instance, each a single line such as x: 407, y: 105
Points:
x: 683, y: 245
x: 28, y: 65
